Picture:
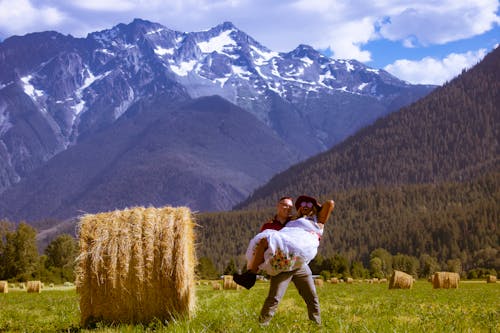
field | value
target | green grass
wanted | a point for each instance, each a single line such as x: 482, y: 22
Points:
x: 474, y: 307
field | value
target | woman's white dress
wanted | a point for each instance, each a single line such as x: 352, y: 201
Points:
x: 289, y: 248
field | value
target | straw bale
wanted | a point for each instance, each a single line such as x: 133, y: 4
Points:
x: 383, y: 280
x: 4, y: 287
x: 334, y: 280
x: 445, y: 280
x: 318, y: 282
x: 400, y: 280
x: 491, y: 279
x: 350, y: 280
x: 34, y: 286
x: 216, y: 286
x: 136, y: 265
x: 229, y: 283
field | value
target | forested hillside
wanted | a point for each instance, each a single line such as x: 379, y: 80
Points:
x: 450, y: 135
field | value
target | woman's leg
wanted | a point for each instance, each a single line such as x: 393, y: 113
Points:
x: 258, y: 258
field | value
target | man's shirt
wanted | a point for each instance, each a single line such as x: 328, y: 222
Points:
x: 273, y: 224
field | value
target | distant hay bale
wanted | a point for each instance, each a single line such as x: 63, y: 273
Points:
x: 334, y: 280
x: 216, y: 286
x: 491, y: 279
x: 445, y: 280
x: 350, y: 280
x: 4, y: 287
x: 383, y: 280
x: 318, y: 282
x: 22, y: 286
x: 400, y: 280
x: 136, y: 265
x: 229, y: 283
x: 34, y: 286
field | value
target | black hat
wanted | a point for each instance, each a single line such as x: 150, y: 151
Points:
x: 305, y: 198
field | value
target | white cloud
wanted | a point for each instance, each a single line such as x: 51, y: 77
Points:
x: 105, y: 5
x: 346, y: 27
x: 20, y: 17
x: 434, y: 71
x: 431, y: 22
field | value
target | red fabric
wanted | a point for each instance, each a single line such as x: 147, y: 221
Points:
x: 272, y: 224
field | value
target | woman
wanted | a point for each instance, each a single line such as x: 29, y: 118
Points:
x: 295, y: 244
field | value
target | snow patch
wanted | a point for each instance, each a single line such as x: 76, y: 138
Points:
x: 263, y: 56
x: 307, y: 61
x: 241, y: 72
x: 217, y: 43
x: 155, y: 31
x: 106, y: 51
x: 162, y: 51
x: 362, y: 86
x: 183, y: 68
x: 29, y: 89
x: 221, y: 81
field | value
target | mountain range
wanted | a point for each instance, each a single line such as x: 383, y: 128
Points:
x: 140, y: 114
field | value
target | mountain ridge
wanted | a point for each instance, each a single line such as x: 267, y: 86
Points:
x: 73, y: 89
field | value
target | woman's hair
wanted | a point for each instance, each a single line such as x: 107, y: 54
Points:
x: 313, y: 212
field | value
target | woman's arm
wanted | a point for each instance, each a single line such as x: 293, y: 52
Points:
x: 326, y: 211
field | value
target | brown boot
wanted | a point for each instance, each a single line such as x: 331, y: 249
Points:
x: 325, y: 211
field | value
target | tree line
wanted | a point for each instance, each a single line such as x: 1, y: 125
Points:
x: 20, y: 260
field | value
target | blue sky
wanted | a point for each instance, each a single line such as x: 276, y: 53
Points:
x: 428, y: 41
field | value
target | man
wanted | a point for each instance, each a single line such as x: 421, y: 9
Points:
x: 301, y: 277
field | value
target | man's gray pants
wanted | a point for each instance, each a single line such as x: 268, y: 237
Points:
x: 303, y: 280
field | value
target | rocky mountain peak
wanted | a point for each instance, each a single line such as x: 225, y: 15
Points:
x: 73, y: 88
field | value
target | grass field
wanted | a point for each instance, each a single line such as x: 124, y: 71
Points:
x: 359, y: 307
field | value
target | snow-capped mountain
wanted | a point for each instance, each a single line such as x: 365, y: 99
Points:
x: 57, y: 91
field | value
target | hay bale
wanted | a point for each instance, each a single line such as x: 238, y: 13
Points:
x: 229, y: 283
x: 136, y: 265
x: 318, y: 282
x: 34, y: 286
x: 4, y: 287
x: 445, y: 280
x: 491, y: 279
x: 350, y: 280
x: 383, y: 280
x: 334, y: 280
x: 216, y: 286
x: 400, y: 280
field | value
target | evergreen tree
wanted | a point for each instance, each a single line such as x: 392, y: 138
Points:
x: 21, y: 254
x: 61, y: 254
x: 231, y: 268
x: 206, y: 269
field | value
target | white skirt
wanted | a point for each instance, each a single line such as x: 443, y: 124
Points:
x: 289, y: 248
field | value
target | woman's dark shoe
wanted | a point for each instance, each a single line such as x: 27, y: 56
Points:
x: 246, y: 279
